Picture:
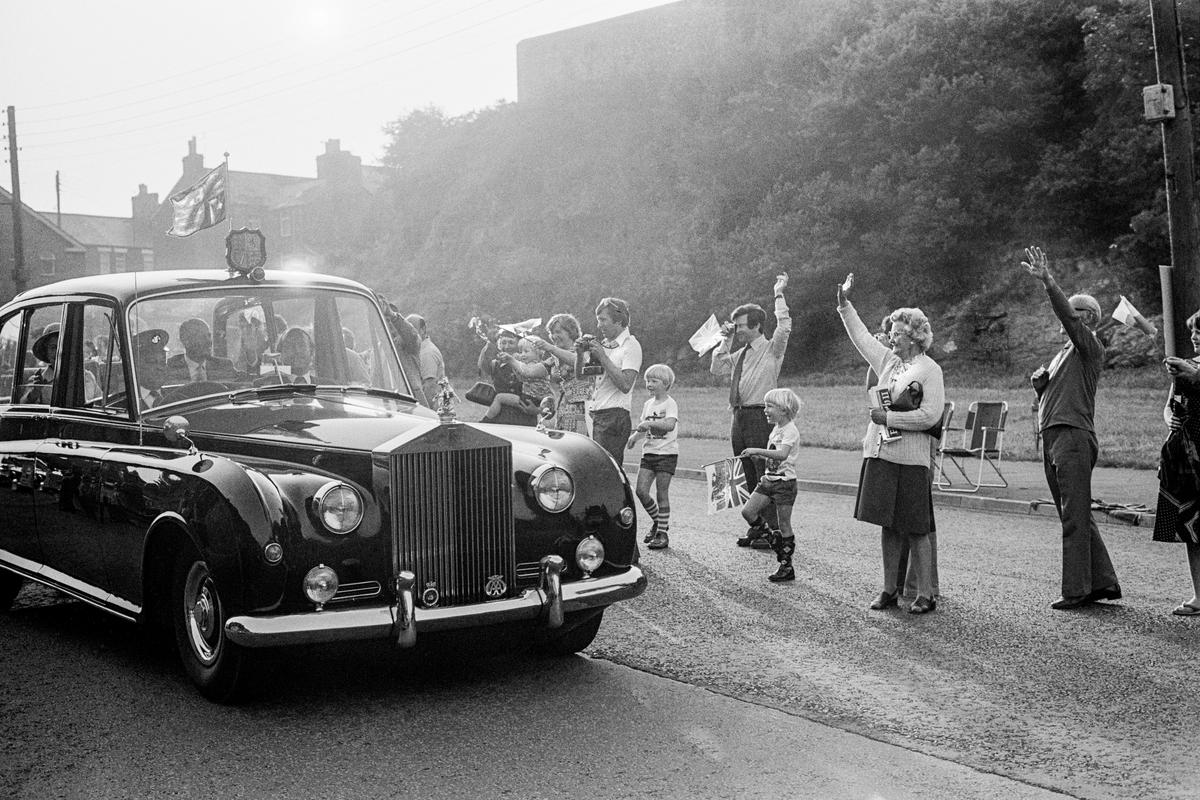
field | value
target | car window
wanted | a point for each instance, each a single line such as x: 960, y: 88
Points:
x: 10, y: 338
x: 103, y: 373
x: 37, y: 372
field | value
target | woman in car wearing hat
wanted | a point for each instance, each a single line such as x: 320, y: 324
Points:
x: 45, y: 349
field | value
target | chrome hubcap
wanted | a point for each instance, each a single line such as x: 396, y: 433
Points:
x: 202, y: 607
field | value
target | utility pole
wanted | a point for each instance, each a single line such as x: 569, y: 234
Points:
x: 18, y: 239
x: 57, y: 200
x: 1171, y: 97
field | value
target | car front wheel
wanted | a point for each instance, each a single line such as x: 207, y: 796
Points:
x: 222, y: 671
x: 574, y: 638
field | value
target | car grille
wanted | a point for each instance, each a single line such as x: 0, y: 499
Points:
x: 356, y: 591
x: 453, y: 523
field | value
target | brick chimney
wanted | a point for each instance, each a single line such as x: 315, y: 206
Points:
x: 193, y: 162
x: 145, y: 205
x: 339, y: 167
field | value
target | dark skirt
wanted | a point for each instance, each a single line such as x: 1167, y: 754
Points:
x: 897, y: 496
x: 1177, y: 518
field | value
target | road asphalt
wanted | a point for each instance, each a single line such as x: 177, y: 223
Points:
x: 1119, y: 495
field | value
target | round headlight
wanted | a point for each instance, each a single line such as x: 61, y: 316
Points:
x: 339, y: 507
x: 553, y: 488
x: 589, y: 555
x: 273, y: 552
x: 320, y: 584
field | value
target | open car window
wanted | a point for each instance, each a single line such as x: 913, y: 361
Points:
x: 36, y: 373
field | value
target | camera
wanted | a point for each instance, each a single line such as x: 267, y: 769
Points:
x: 585, y: 362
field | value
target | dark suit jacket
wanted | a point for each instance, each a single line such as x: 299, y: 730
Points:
x: 216, y: 368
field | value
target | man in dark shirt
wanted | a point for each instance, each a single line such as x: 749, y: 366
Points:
x: 1067, y: 400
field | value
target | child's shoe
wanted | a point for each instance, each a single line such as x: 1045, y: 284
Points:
x: 659, y: 542
x: 756, y: 532
x: 650, y: 534
x: 784, y: 573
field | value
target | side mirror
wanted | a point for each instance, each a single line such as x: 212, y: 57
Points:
x: 176, y: 429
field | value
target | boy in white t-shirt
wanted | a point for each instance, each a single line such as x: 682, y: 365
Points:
x: 659, y: 427
x: 778, y: 483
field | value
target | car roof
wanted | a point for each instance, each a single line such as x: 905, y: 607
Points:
x: 128, y: 286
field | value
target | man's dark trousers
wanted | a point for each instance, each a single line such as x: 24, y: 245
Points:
x: 611, y: 428
x: 1068, y: 456
x: 751, y: 429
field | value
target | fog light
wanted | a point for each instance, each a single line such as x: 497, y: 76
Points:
x: 589, y: 555
x: 320, y: 584
x: 626, y: 517
x: 273, y: 553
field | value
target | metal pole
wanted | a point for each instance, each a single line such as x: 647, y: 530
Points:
x: 18, y: 238
x: 1182, y: 209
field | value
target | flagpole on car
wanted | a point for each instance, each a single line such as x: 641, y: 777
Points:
x: 228, y: 194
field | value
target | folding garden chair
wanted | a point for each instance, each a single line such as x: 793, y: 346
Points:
x: 947, y: 418
x: 982, y: 439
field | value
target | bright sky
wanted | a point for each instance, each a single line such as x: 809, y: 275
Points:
x: 108, y: 93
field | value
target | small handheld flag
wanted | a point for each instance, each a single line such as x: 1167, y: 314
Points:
x: 726, y: 484
x: 707, y: 336
x: 1129, y: 316
x: 522, y: 329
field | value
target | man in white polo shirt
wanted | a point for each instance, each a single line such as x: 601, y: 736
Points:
x: 621, y: 356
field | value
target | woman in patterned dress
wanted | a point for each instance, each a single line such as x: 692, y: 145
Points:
x: 574, y: 391
x: 1178, y: 515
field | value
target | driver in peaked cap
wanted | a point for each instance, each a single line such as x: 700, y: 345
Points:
x: 150, y: 365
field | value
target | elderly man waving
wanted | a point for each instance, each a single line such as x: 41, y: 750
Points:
x: 1066, y: 391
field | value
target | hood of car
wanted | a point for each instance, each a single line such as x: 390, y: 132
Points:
x: 359, y: 423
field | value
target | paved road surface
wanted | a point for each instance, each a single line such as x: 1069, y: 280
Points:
x: 713, y: 684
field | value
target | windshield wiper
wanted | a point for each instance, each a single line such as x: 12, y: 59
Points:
x: 257, y: 392
x: 374, y: 392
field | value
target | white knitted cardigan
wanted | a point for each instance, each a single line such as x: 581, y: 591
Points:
x: 913, y: 447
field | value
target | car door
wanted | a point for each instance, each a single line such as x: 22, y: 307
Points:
x: 86, y: 419
x: 24, y: 416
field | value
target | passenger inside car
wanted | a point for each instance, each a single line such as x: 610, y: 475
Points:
x: 45, y: 349
x: 197, y: 364
x: 150, y: 365
x: 296, y: 353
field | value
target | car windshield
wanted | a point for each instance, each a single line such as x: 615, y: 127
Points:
x: 190, y: 344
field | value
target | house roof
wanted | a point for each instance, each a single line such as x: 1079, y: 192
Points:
x: 101, y: 231
x: 47, y: 220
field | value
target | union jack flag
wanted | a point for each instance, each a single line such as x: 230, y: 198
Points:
x: 726, y: 484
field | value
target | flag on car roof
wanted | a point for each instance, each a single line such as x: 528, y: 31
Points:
x: 201, y: 205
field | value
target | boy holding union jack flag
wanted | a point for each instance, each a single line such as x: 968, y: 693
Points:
x: 778, y: 484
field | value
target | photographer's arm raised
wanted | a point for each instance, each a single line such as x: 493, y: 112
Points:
x: 623, y: 379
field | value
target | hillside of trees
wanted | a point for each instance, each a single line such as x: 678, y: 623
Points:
x: 920, y: 144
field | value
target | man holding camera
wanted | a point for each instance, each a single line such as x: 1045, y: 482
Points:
x: 1066, y: 391
x: 618, y: 360
x: 753, y: 370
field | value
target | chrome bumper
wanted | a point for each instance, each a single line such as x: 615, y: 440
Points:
x: 400, y: 622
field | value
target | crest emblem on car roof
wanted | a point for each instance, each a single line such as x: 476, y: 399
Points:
x: 245, y: 250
